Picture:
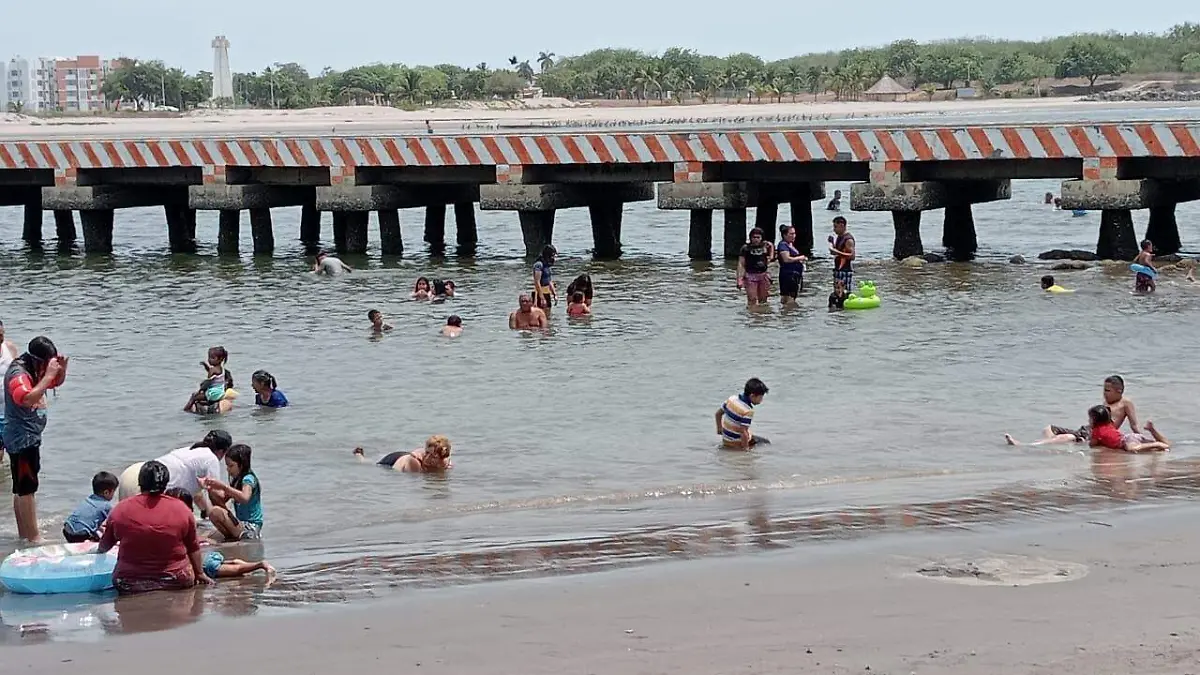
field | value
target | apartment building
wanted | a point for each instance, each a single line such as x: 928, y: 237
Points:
x: 56, y: 84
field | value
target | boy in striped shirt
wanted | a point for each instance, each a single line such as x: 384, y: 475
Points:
x: 734, y: 417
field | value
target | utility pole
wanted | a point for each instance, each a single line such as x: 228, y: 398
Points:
x: 163, y: 81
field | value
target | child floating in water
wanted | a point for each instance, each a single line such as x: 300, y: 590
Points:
x: 378, y: 324
x: 453, y: 327
x: 207, y: 400
x: 422, y: 289
x: 1049, y: 286
x: 1144, y: 283
x: 837, y: 299
x: 735, y: 415
x: 1102, y: 433
x: 215, y: 564
x: 578, y: 305
x: 86, y: 522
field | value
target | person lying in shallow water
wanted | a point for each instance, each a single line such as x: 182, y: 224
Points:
x: 433, y: 458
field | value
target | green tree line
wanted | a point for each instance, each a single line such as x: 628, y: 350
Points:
x: 681, y: 73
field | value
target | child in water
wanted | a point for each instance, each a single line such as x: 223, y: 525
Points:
x: 207, y: 400
x: 244, y: 522
x: 578, y: 305
x: 1105, y: 434
x: 1144, y: 283
x: 266, y: 391
x: 378, y: 325
x: 215, y: 564
x: 453, y: 327
x: 422, y: 289
x: 735, y: 415
x: 86, y: 522
x: 1049, y: 286
x: 837, y: 299
x: 582, y: 283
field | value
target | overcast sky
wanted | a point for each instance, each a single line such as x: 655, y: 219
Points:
x: 466, y: 32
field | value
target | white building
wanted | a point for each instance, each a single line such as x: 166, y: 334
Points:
x: 30, y: 84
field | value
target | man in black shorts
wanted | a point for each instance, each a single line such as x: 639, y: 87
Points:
x: 26, y: 382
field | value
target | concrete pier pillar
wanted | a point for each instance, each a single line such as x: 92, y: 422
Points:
x: 31, y: 231
x: 537, y: 229
x: 1117, y: 241
x: 310, y: 224
x: 97, y: 230
x: 189, y: 220
x: 261, y: 231
x: 229, y: 231
x: 435, y: 228
x: 1163, y: 230
x: 802, y: 220
x: 958, y: 233
x: 700, y: 234
x: 391, y: 238
x: 180, y: 231
x: 765, y: 217
x: 466, y: 230
x: 606, y: 230
x: 64, y: 229
x: 908, y: 234
x: 735, y: 232
x: 350, y: 231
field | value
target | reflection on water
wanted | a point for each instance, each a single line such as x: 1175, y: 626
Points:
x: 592, y: 445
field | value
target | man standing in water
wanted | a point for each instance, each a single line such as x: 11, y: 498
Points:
x: 841, y: 246
x: 527, y: 317
x: 26, y: 382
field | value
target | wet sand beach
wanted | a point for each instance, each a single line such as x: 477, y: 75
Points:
x: 1103, y: 593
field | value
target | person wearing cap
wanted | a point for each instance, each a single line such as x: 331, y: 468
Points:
x: 159, y: 546
x: 28, y: 378
x: 187, y: 466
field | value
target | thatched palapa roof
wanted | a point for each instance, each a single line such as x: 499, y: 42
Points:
x: 887, y: 86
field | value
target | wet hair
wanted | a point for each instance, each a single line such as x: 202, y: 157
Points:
x: 454, y: 320
x: 371, y: 314
x: 755, y: 387
x: 439, y: 287
x: 41, y: 350
x: 1116, y: 381
x: 153, y: 477
x: 1147, y: 244
x: 758, y: 231
x: 182, y: 495
x: 577, y: 296
x: 582, y: 283
x: 104, y: 481
x: 264, y: 378
x: 548, y: 252
x: 1047, y: 281
x: 439, y: 444
x: 240, y: 455
x: 217, y: 440
x: 1099, y: 414
x: 417, y: 285
x: 839, y: 220
x: 451, y: 284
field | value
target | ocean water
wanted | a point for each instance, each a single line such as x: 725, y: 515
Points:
x: 592, y: 445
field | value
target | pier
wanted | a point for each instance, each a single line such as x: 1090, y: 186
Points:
x: 1112, y: 167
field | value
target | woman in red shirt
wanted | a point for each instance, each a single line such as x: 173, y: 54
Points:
x: 159, y: 548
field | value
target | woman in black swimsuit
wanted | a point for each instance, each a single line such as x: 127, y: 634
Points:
x: 433, y: 458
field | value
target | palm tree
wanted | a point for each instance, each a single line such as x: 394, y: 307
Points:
x: 410, y: 84
x: 546, y: 60
x: 525, y: 71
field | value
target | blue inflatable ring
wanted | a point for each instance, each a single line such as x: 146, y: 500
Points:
x: 58, y: 568
x: 1142, y: 269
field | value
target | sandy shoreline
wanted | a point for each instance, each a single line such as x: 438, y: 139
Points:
x: 449, y: 120
x: 1096, y: 593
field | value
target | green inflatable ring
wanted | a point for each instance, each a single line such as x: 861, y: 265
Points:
x: 865, y: 298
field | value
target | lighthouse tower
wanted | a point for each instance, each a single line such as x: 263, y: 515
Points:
x: 222, y: 76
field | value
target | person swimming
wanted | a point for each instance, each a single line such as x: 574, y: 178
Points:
x: 453, y: 327
x: 422, y: 289
x: 582, y: 284
x: 378, y: 323
x: 578, y: 306
x: 1144, y: 283
x: 1049, y: 286
x: 329, y: 265
x: 433, y: 458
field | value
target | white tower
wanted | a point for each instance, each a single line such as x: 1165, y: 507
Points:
x: 222, y: 76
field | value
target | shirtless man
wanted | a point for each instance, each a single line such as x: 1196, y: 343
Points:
x: 527, y: 317
x: 1121, y: 408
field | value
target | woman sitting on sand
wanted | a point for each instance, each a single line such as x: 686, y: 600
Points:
x: 433, y: 458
